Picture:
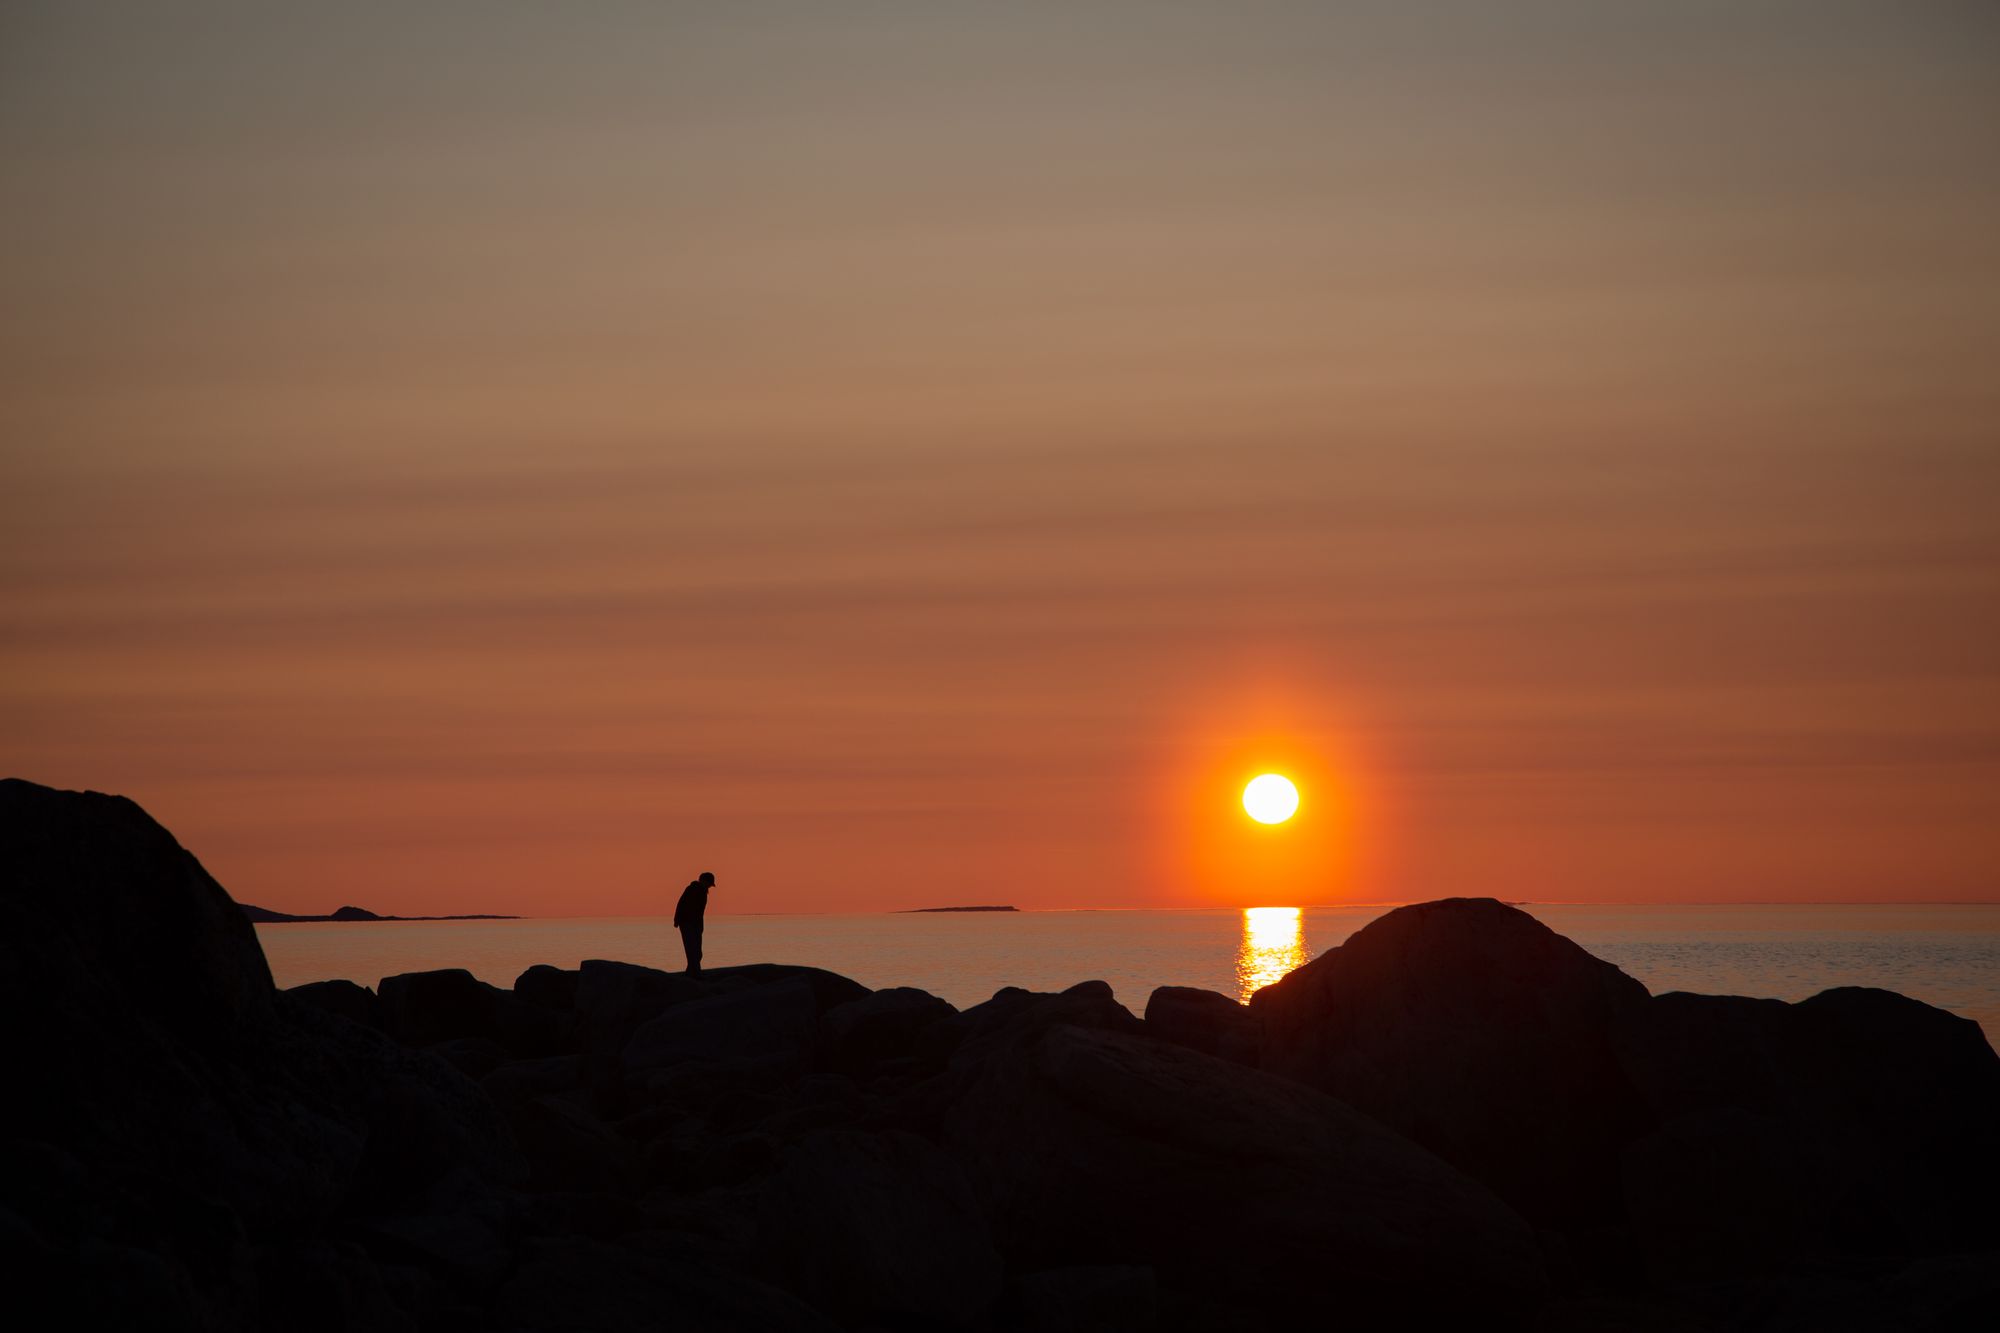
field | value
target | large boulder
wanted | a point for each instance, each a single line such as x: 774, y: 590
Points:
x: 422, y: 1008
x: 138, y: 993
x: 614, y: 1000
x: 772, y: 1020
x: 104, y: 918
x: 1703, y: 1137
x: 549, y: 987
x: 830, y: 990
x: 1095, y: 1148
x: 1483, y: 1035
x: 880, y: 1230
x: 353, y: 1002
x: 207, y: 1127
x: 1203, y: 1020
x: 422, y: 1128
x: 450, y: 1004
x: 965, y: 1043
x: 1858, y: 1122
x: 879, y: 1029
x: 1013, y: 1013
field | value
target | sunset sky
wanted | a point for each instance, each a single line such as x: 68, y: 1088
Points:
x: 507, y: 457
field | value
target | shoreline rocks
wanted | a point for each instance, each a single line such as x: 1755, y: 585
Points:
x: 1456, y: 1118
x: 1659, y: 1137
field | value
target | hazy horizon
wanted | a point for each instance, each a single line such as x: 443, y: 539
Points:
x: 496, y: 458
x: 666, y: 912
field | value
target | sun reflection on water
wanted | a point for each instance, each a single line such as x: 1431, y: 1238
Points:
x: 1274, y: 942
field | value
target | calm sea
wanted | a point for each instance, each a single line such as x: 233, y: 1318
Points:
x: 1945, y: 955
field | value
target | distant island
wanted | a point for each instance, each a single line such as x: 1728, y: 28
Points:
x: 911, y: 911
x: 265, y: 916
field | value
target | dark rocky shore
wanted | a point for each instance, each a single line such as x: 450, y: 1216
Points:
x: 1458, y: 1119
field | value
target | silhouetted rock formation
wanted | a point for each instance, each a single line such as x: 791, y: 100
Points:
x: 182, y: 1113
x: 880, y: 1229
x: 1858, y: 1122
x: 1093, y: 1146
x: 350, y: 1000
x: 1483, y: 1035
x: 1694, y: 1136
x: 768, y: 1147
x: 875, y: 1032
x: 1205, y: 1021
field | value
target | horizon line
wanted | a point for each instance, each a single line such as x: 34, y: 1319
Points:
x: 393, y: 918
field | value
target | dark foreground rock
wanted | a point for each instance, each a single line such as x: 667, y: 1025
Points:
x: 1483, y: 1035
x: 187, y: 1131
x: 880, y: 1029
x: 1088, y: 1299
x: 879, y: 1229
x: 1676, y: 1138
x: 580, y: 1285
x: 1858, y: 1122
x: 1205, y: 1021
x: 1471, y: 1123
x: 1099, y: 1148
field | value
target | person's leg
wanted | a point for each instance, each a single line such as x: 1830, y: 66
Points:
x: 692, y: 939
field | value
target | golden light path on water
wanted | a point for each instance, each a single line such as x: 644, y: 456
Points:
x: 1274, y: 942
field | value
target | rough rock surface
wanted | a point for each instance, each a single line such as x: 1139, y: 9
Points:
x: 770, y: 1147
x: 1482, y: 1034
x: 421, y: 1008
x: 1858, y: 1122
x: 1109, y: 1298
x: 879, y: 1029
x: 1205, y: 1021
x: 350, y: 1000
x: 879, y: 1228
x: 550, y: 987
x: 1094, y: 1147
x: 774, y: 1019
x: 1696, y: 1137
x: 188, y: 1112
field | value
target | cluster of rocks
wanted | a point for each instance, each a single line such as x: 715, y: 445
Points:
x: 1456, y: 1118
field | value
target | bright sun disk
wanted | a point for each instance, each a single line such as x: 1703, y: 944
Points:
x: 1270, y: 798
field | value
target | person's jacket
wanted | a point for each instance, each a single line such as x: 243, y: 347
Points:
x: 694, y: 902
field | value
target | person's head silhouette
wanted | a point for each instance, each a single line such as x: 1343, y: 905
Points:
x: 708, y: 878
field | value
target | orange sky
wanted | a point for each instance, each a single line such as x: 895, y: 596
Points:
x: 497, y: 460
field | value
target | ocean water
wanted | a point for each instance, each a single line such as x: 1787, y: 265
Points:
x: 1948, y: 956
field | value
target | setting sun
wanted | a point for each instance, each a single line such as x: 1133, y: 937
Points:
x: 1270, y: 798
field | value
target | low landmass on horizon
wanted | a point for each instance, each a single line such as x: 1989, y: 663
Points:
x: 264, y: 916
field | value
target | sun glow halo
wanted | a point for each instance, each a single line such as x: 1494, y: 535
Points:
x: 1270, y: 798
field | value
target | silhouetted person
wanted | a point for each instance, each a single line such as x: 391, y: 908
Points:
x: 687, y: 916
